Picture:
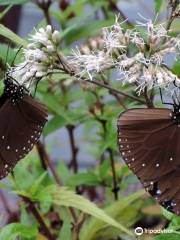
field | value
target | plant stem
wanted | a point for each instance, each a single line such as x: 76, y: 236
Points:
x: 46, y: 162
x: 32, y: 208
x: 149, y: 101
x: 118, y: 98
x: 116, y: 91
x: 74, y: 149
x: 67, y: 69
x: 44, y: 6
x: 171, y: 18
x: 77, y: 227
x: 115, y: 182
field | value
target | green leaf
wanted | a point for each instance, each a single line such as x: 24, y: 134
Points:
x: 14, y: 230
x: 87, y: 179
x: 65, y: 232
x: 5, y: 32
x: 36, y: 184
x: 168, y: 236
x: 63, y: 171
x: 61, y: 196
x: 52, y: 102
x: 117, y: 210
x: 158, y: 4
x: 104, y: 170
x: 3, y: 13
x: 53, y: 124
x: 23, y: 178
x: 13, y: 2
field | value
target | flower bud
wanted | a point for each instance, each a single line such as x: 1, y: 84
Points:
x: 56, y: 37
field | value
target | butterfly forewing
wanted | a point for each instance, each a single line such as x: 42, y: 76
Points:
x: 149, y: 143
x: 21, y: 127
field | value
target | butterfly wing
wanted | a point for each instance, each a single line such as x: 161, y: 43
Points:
x: 149, y: 144
x: 21, y: 127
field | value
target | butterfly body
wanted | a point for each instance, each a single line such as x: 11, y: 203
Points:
x: 22, y: 119
x: 149, y: 142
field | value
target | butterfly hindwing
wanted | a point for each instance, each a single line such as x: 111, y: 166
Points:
x: 21, y: 126
x: 148, y: 142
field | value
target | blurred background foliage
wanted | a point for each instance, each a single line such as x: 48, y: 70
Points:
x: 38, y: 209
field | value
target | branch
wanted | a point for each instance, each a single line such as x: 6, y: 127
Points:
x: 31, y: 207
x: 74, y: 149
x: 118, y: 98
x: 115, y: 182
x: 67, y: 69
x: 44, y: 6
x: 149, y: 101
x: 46, y: 162
x: 174, y: 4
x: 115, y: 91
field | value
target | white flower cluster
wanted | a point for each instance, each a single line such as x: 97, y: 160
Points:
x: 90, y: 63
x: 137, y: 55
x: 39, y: 57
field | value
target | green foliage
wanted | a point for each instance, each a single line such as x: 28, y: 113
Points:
x: 167, y: 236
x: 158, y: 4
x: 5, y: 32
x: 13, y: 2
x: 95, y: 229
x: 14, y: 230
x: 61, y: 196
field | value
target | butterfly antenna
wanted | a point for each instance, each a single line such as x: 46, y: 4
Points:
x: 160, y: 91
x: 36, y: 87
x: 16, y: 55
x: 7, y: 53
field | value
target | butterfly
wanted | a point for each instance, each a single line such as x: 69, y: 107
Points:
x: 22, y: 119
x: 149, y: 142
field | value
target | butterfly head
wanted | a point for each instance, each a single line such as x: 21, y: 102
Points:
x: 13, y: 90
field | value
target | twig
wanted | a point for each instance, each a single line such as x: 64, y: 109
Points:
x: 174, y: 5
x: 67, y: 69
x: 118, y: 98
x: 70, y: 128
x: 31, y: 207
x: 115, y: 182
x: 109, y: 150
x: 77, y: 227
x: 72, y: 74
x: 46, y: 162
x: 149, y: 101
x: 74, y: 149
x: 116, y: 91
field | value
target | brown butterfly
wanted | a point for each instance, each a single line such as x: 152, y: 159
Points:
x: 22, y: 119
x: 149, y: 142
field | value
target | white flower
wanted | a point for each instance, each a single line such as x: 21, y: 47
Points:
x: 90, y: 64
x: 39, y: 57
x: 145, y: 67
x: 115, y: 37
